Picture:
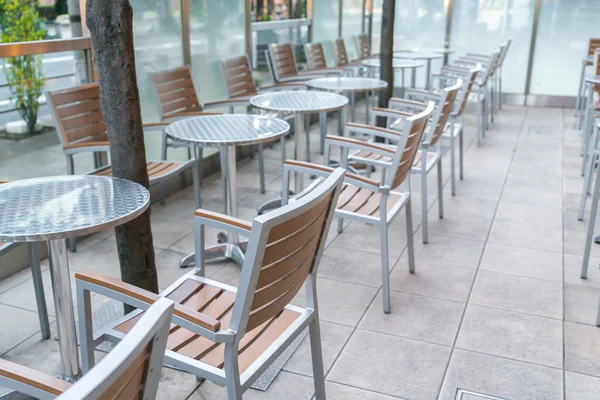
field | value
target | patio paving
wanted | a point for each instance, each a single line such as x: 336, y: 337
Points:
x: 495, y: 307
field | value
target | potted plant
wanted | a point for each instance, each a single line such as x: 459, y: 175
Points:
x: 20, y: 22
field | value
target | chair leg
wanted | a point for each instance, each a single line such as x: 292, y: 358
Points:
x: 440, y: 189
x: 261, y: 167
x: 460, y: 153
x: 307, y: 137
x: 452, y: 163
x: 200, y: 164
x: 72, y: 242
x: 479, y: 122
x: 317, y: 358
x: 38, y: 287
x: 232, y: 374
x: 340, y: 227
x: 409, y: 237
x: 591, y: 225
x: 86, y: 334
x: 385, y: 270
x: 589, y: 172
x: 322, y: 130
x: 424, y: 204
x: 492, y: 103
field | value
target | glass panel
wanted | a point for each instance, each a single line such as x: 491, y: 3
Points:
x: 481, y: 26
x: 564, y: 31
x: 376, y: 37
x: 352, y: 12
x: 420, y: 24
x: 325, y: 25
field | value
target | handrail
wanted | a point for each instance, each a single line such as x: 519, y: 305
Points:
x: 44, y: 47
x: 281, y: 24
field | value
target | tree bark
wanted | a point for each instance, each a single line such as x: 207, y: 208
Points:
x: 111, y: 27
x: 386, y: 54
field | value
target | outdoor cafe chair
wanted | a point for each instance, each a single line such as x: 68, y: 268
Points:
x: 282, y: 65
x: 341, y: 56
x: 176, y: 99
x: 430, y: 153
x: 363, y: 49
x: 38, y: 285
x: 454, y: 128
x: 80, y: 127
x: 366, y: 200
x: 232, y: 335
x: 580, y: 104
x: 130, y: 371
x: 315, y: 60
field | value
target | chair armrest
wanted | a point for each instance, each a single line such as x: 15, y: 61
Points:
x: 375, y: 130
x: 355, y: 144
x: 242, y: 101
x: 37, y: 381
x: 396, y: 103
x: 479, y: 55
x: 282, y: 86
x: 456, y: 69
x: 155, y: 126
x: 186, y: 114
x: 301, y: 78
x: 144, y: 296
x: 225, y: 222
x: 421, y: 94
x: 323, y: 171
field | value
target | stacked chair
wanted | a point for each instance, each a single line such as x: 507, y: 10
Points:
x: 232, y: 335
x: 580, y: 104
x: 130, y: 371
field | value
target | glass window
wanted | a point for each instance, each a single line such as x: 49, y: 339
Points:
x: 480, y: 26
x: 352, y: 14
x: 376, y: 21
x: 325, y: 26
x: 564, y: 31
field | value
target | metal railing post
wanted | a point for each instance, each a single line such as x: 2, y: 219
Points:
x: 448, y: 34
x: 185, y: 32
x: 534, y: 29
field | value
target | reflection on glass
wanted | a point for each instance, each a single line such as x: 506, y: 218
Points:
x: 480, y: 26
x: 376, y: 21
x: 564, y: 31
x: 157, y: 41
x: 275, y: 10
x: 325, y: 26
x: 352, y: 12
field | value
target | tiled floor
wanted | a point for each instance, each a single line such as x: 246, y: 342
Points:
x: 496, y: 305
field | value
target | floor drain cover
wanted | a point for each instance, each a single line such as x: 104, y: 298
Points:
x: 469, y: 395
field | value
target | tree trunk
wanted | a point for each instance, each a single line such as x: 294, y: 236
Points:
x: 386, y: 54
x: 111, y: 28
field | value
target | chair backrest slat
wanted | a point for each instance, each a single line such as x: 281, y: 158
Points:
x: 339, y: 51
x: 283, y: 60
x: 289, y: 243
x: 132, y: 369
x: 77, y: 114
x: 238, y: 77
x: 362, y: 46
x: 442, y: 112
x: 593, y: 44
x: 175, y: 92
x: 470, y: 78
x: 315, y: 56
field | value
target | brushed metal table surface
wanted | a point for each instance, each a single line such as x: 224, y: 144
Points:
x: 347, y: 84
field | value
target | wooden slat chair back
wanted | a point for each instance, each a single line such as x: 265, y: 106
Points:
x: 238, y: 77
x: 592, y: 45
x: 339, y: 51
x: 130, y: 371
x: 283, y: 60
x: 505, y: 48
x: 175, y: 92
x: 78, y: 116
x: 485, y: 74
x: 466, y: 90
x: 291, y: 240
x: 362, y: 46
x: 315, y: 56
x: 442, y: 112
x: 405, y: 156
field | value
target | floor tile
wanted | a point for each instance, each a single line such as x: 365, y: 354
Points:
x: 521, y: 261
x: 367, y: 238
x: 573, y: 271
x: 166, y: 233
x: 526, y: 214
x: 526, y: 235
x: 512, y: 335
x: 459, y: 226
x: 432, y: 279
x: 391, y: 365
x: 352, y: 266
x: 581, y: 387
x: 581, y: 349
x: 501, y: 377
x: 416, y: 317
x: 175, y: 384
x: 574, y: 243
x: 333, y: 339
x: 28, y: 325
x: 449, y: 250
x: 581, y: 304
x: 341, y: 392
x: 514, y: 293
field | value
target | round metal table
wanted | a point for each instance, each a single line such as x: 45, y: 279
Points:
x: 298, y: 102
x: 226, y: 132
x: 374, y: 63
x: 54, y: 208
x: 428, y: 56
x: 350, y: 85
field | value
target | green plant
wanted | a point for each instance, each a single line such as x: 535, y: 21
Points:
x: 20, y: 23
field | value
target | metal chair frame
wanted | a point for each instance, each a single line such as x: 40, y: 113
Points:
x: 242, y: 312
x: 144, y: 345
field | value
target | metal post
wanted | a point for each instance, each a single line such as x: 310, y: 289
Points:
x: 448, y: 34
x: 231, y: 190
x: 309, y: 15
x: 185, y: 32
x: 536, y: 20
x: 63, y: 302
x: 340, y: 8
x: 300, y: 150
x: 363, y: 16
x: 370, y: 29
x: 248, y: 29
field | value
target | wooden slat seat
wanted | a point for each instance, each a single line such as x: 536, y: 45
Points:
x: 364, y: 201
x: 95, y: 141
x: 216, y: 303
x: 156, y: 169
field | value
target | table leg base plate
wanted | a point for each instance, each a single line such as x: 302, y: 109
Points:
x: 221, y: 252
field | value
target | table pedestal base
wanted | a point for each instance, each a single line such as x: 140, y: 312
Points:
x: 220, y: 252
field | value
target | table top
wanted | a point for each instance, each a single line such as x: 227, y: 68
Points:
x: 593, y: 79
x: 420, y: 55
x: 347, y: 84
x: 57, y: 207
x: 227, y: 130
x: 299, y: 101
x: 396, y: 64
